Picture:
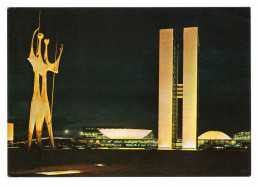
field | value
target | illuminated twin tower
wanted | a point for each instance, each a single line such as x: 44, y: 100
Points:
x: 170, y: 90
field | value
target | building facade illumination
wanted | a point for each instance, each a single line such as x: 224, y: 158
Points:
x: 170, y: 90
x: 190, y: 69
x: 242, y: 139
x: 10, y: 132
x: 165, y: 89
x: 242, y: 136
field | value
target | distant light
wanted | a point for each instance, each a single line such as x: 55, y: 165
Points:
x: 66, y: 131
x: 81, y: 133
x: 59, y: 172
x: 100, y: 165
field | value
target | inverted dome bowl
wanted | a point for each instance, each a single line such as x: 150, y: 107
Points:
x: 125, y: 133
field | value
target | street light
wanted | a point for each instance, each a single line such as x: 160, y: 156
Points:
x: 66, y: 132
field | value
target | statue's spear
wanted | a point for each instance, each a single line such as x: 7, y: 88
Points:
x: 53, y: 79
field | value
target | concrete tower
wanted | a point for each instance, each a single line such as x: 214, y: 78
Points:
x: 170, y: 90
x: 168, y: 82
x: 190, y: 69
x: 165, y: 89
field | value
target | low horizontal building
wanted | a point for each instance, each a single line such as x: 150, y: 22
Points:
x: 117, y: 137
x: 242, y: 139
x: 242, y: 136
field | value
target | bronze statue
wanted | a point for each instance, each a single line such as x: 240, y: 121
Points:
x: 40, y: 108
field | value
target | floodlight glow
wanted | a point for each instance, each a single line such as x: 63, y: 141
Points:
x: 100, y: 165
x: 59, y: 172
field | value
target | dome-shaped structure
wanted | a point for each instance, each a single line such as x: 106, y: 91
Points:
x: 125, y: 133
x: 214, y: 135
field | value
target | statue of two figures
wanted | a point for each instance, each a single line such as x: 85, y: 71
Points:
x: 40, y: 108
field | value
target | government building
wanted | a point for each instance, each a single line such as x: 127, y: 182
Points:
x: 117, y: 137
x: 170, y: 90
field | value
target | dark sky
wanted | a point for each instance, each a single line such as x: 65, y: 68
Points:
x: 108, y: 73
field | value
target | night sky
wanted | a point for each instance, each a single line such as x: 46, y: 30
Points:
x: 108, y: 73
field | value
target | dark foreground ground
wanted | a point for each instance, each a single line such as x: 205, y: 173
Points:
x: 129, y: 162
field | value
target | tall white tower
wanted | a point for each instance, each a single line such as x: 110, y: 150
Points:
x: 165, y: 89
x: 190, y: 84
x: 170, y: 91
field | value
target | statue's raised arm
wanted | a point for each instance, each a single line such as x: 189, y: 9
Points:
x: 52, y: 66
x: 32, y: 55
